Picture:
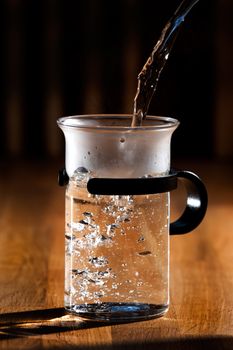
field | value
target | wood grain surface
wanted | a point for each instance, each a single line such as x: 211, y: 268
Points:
x: 32, y: 269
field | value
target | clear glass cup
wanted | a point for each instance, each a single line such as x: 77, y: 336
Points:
x: 117, y: 244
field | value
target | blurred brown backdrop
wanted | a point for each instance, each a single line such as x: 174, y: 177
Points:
x: 63, y: 57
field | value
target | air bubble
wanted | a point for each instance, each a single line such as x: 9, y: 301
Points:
x: 98, y: 261
x: 123, y: 218
x: 99, y: 294
x: 88, y: 214
x: 83, y: 222
x: 77, y: 226
x: 84, y: 294
x: 114, y: 286
x: 146, y: 252
x: 81, y: 170
x: 80, y: 272
x: 69, y: 236
x: 80, y: 175
x: 111, y: 229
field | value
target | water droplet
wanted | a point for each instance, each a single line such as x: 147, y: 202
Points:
x: 122, y: 139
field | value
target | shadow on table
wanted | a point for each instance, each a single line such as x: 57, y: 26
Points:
x: 41, y: 322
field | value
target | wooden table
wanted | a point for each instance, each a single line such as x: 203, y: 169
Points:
x: 32, y: 266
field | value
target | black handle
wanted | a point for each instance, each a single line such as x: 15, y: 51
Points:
x: 63, y: 177
x: 132, y: 186
x: 196, y: 205
x: 197, y: 198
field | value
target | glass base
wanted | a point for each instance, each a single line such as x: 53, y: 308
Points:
x: 118, y: 312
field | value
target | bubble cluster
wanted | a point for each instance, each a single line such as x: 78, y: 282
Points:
x: 106, y: 247
x: 81, y: 176
x: 85, y: 237
x: 90, y: 284
x: 98, y: 261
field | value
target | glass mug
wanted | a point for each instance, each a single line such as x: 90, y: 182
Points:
x: 118, y: 215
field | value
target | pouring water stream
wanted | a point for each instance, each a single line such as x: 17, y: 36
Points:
x: 150, y: 73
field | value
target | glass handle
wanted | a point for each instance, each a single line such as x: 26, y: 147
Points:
x: 196, y: 205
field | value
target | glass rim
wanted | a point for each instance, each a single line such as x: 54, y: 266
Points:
x: 160, y: 123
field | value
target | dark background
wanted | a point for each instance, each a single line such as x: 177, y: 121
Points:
x: 83, y: 56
